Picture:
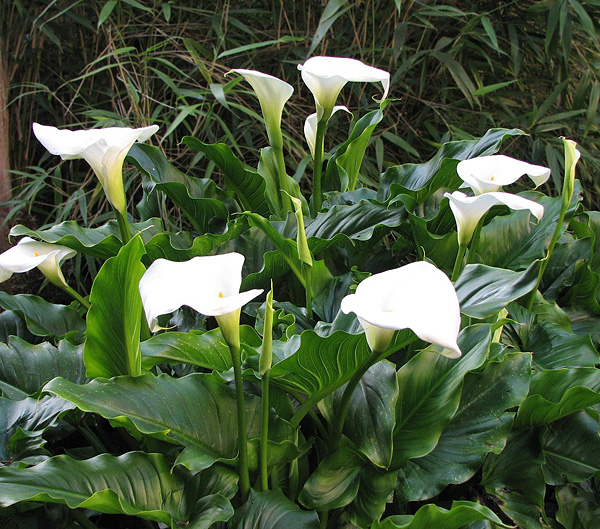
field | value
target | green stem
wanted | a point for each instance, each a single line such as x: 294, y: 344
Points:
x: 75, y: 295
x: 264, y: 433
x: 462, y: 248
x: 284, y: 192
x: 82, y: 519
x: 124, y: 227
x: 474, y: 243
x: 241, y: 421
x: 346, y: 396
x: 317, y: 195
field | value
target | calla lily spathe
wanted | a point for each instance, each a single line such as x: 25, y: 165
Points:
x: 273, y: 94
x: 104, y: 149
x: 469, y: 210
x: 310, y: 127
x: 489, y: 173
x: 326, y: 76
x: 417, y: 296
x: 28, y: 254
x: 208, y: 284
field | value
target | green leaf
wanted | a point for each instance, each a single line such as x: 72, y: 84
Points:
x: 344, y: 166
x: 112, y: 345
x: 103, y: 242
x: 370, y: 418
x: 22, y: 423
x: 515, y: 478
x: 136, y: 484
x: 248, y: 186
x: 161, y: 406
x: 577, y: 506
x: 418, y: 176
x: 484, y: 290
x: 106, y: 11
x: 458, y: 516
x: 28, y: 367
x: 481, y: 425
x: 273, y: 510
x: 199, y: 199
x: 430, y: 388
x: 558, y: 393
x: 208, y: 350
x: 572, y: 449
x: 43, y: 318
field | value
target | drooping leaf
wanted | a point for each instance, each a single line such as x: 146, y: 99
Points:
x: 199, y: 199
x: 273, y: 510
x: 458, y: 516
x: 43, y: 318
x: 28, y: 367
x: 136, y: 484
x: 161, y: 406
x: 430, y: 388
x: 515, y: 477
x: 112, y: 345
x: 481, y: 421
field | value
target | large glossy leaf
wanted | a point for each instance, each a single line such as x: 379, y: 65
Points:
x: 11, y: 324
x: 557, y: 393
x: 577, y: 506
x: 28, y: 367
x: 370, y: 418
x: 22, y: 423
x: 197, y: 411
x: 515, y: 240
x: 515, y: 478
x: 458, y: 516
x: 273, y: 510
x: 430, y: 387
x: 572, y: 449
x: 480, y: 426
x: 136, y: 484
x: 208, y: 350
x: 102, y: 242
x: 416, y: 177
x: 199, y: 199
x: 344, y: 166
x: 319, y: 365
x: 43, y: 318
x: 357, y: 221
x: 346, y: 477
x: 112, y: 345
x: 484, y: 290
x: 247, y: 184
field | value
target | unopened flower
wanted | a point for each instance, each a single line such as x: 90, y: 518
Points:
x: 104, y: 149
x: 310, y: 128
x: 417, y: 296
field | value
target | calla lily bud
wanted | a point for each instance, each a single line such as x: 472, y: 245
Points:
x: 489, y: 173
x: 28, y: 254
x: 104, y: 149
x: 468, y: 211
x: 417, y: 296
x: 266, y: 352
x: 209, y: 285
x: 326, y: 76
x: 273, y: 94
x: 310, y: 128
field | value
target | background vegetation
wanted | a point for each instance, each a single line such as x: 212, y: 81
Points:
x: 458, y: 69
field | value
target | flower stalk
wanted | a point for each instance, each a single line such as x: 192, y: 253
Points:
x: 266, y: 359
x: 317, y: 194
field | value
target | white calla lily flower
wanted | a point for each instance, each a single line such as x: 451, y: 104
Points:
x: 29, y: 254
x: 310, y: 128
x: 104, y: 149
x: 273, y: 94
x: 326, y: 76
x: 208, y: 284
x: 417, y: 296
x: 489, y: 173
x: 468, y: 211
